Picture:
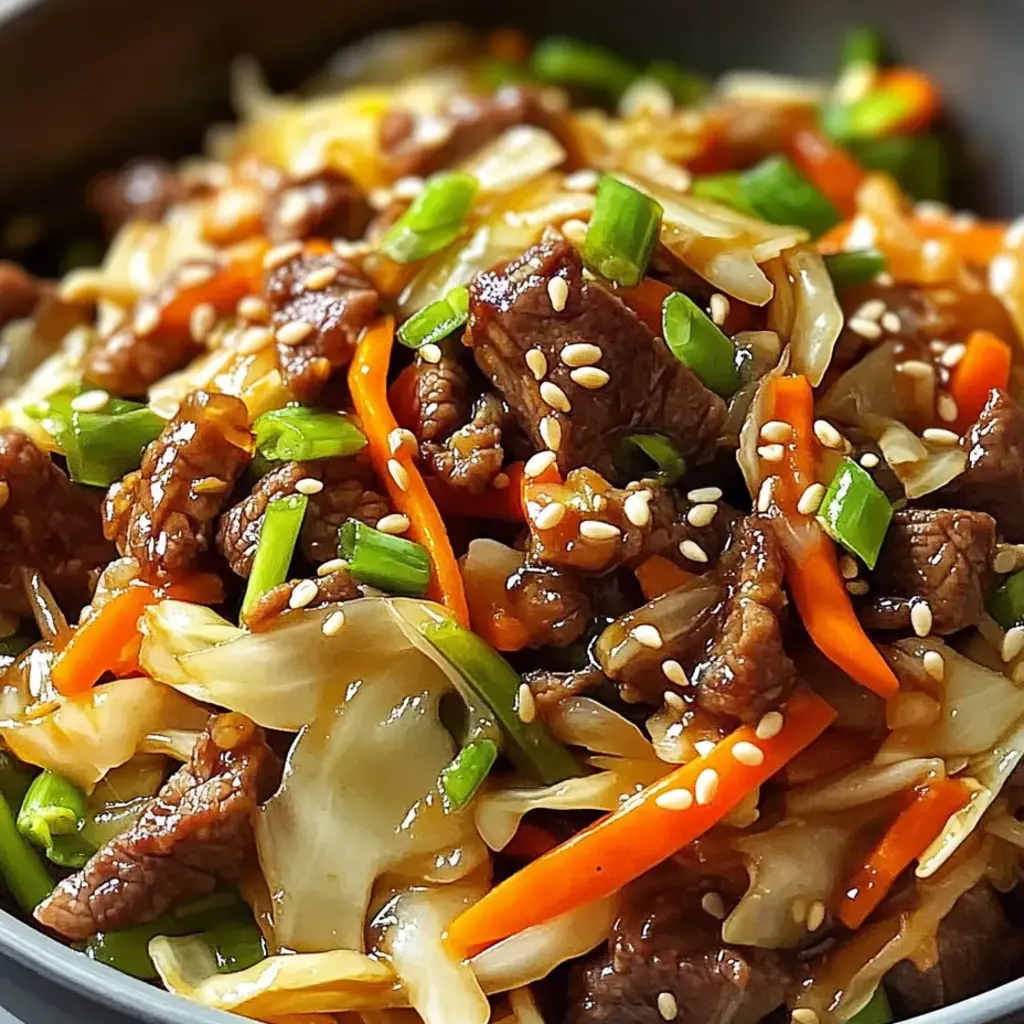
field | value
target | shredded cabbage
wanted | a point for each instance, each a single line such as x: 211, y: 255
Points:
x: 817, y: 318
x: 862, y: 785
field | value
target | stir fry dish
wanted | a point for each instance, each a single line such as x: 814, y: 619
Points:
x: 515, y: 535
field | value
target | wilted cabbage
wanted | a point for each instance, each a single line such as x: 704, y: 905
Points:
x: 862, y: 785
x: 518, y: 155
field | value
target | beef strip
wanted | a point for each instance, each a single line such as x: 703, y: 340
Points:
x: 19, y: 292
x: 326, y: 206
x: 126, y: 363
x: 336, y: 312
x: 141, y: 190
x: 942, y: 556
x: 552, y: 606
x: 472, y: 456
x: 551, y: 688
x: 195, y: 835
x: 439, y: 398
x: 47, y: 523
x: 163, y: 513
x: 647, y: 389
x: 332, y: 588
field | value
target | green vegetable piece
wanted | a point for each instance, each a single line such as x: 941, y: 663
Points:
x: 861, y: 45
x: 531, y: 747
x: 465, y: 774
x: 297, y: 433
x: 726, y: 188
x: 494, y: 73
x: 851, y: 269
x: 572, y: 62
x: 434, y: 322
x: 782, y: 194
x: 434, y: 219
x: 636, y: 452
x: 382, y: 560
x: 15, y: 779
x: 855, y: 512
x: 918, y: 162
x: 1006, y: 602
x: 870, y: 117
x: 275, y: 547
x: 877, y: 1010
x: 21, y: 868
x: 622, y: 233
x: 74, y: 851
x: 698, y: 343
x: 687, y: 87
x: 237, y: 945
x: 53, y: 806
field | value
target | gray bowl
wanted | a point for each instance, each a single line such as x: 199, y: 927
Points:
x: 84, y: 83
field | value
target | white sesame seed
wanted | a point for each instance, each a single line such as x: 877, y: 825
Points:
x: 575, y: 231
x: 582, y: 181
x: 294, y: 332
x: 870, y: 310
x: 554, y: 396
x: 749, y: 754
x: 848, y: 568
x: 869, y: 460
x: 815, y: 916
x: 674, y: 672
x: 647, y: 636
x: 637, y: 508
x: 526, y: 706
x: 719, y: 306
x: 394, y: 523
x: 254, y: 339
x: 934, y: 664
x: 921, y: 617
x: 90, y: 401
x: 713, y: 904
x: 558, y: 293
x: 331, y: 565
x: 590, y: 377
x: 539, y: 463
x: 885, y: 279
x: 305, y: 592
x: 675, y: 800
x: 430, y: 353
x: 771, y: 452
x: 811, y: 499
x: 398, y: 473
x: 333, y: 623
x: 938, y: 435
x: 202, y: 320
x: 309, y: 485
x: 674, y: 701
x: 146, y: 319
x: 317, y: 280
x: 704, y: 747
x: 667, y: 1006
x: 551, y: 432
x: 693, y: 551
x: 947, y: 407
x: 1013, y: 643
x: 195, y: 275
x: 764, y: 494
x: 702, y: 494
x: 401, y: 439
x: 293, y: 208
x: 917, y: 368
x: 858, y: 587
x: 865, y: 328
x: 706, y: 788
x: 281, y: 254
x: 580, y: 354
x: 501, y: 481
x: 537, y: 362
x: 595, y: 529
x: 210, y: 485
x: 549, y: 516
x: 1006, y: 559
x: 777, y: 431
x: 804, y: 1015
x: 798, y: 911
x: 252, y: 307
x: 702, y: 514
x: 828, y: 435
x: 953, y: 355
x: 891, y: 322
x: 770, y: 726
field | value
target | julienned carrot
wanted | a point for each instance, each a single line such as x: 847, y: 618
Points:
x: 920, y: 98
x: 977, y: 242
x: 985, y: 365
x: 368, y: 384
x: 530, y: 842
x: 648, y: 828
x: 658, y: 575
x: 913, y: 831
x: 646, y: 300
x: 813, y: 573
x: 835, y: 172
x: 505, y: 503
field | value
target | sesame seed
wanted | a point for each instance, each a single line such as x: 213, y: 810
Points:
x: 702, y: 514
x: 828, y: 435
x: 764, y: 494
x: 674, y: 672
x: 675, y: 800
x: 581, y: 181
x: 771, y: 452
x: 1006, y: 559
x: 549, y: 516
x: 637, y: 508
x: 947, y: 407
x: 501, y: 481
x: 317, y: 280
x: 393, y: 523
x: 916, y: 368
x: 885, y: 279
x: 869, y: 460
x: 575, y: 232
x: 333, y: 623
x: 713, y: 904
x: 590, y: 377
x: 408, y: 187
x: 430, y: 353
x: 798, y: 911
x: 667, y: 1006
x: 704, y: 747
x: 858, y: 587
x: 580, y: 354
x: 539, y: 463
x: 305, y: 593
x: 934, y: 664
x: 398, y: 474
x: 400, y: 439
x: 891, y: 322
x: 146, y: 319
x: 293, y: 208
x: 281, y: 254
x: 804, y: 1015
x: 195, y: 274
x: 294, y: 332
x: 551, y: 432
x: 537, y: 362
x: 202, y: 320
x: 770, y: 726
x: 702, y: 494
x: 252, y: 307
x: 815, y: 916
x: 1013, y: 643
x: 811, y: 499
x: 526, y: 706
x: 90, y: 401
x: 719, y: 306
x: 749, y: 754
x: 647, y: 636
x: 253, y: 339
x: 707, y: 786
x: 848, y: 568
x: 777, y: 431
x: 938, y: 435
x: 595, y: 529
x: 870, y: 310
x: 331, y: 565
x: 558, y: 293
x: 674, y: 701
x: 865, y: 328
x: 309, y: 485
x: 693, y: 551
x: 554, y: 396
x: 953, y: 355
x: 921, y: 617
x: 209, y: 485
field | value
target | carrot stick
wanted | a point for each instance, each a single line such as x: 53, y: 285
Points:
x: 648, y: 828
x: 813, y: 573
x: 646, y: 300
x: 977, y: 242
x: 835, y: 172
x: 909, y: 836
x: 985, y: 365
x: 657, y: 575
x: 504, y: 503
x: 368, y: 384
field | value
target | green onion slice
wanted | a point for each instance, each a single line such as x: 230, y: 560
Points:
x: 855, y: 512
x: 636, y: 452
x: 21, y: 868
x: 870, y: 117
x: 861, y: 45
x: 698, y: 343
x: 918, y: 162
x: 1006, y: 602
x: 382, y: 560
x: 782, y: 194
x: 877, y: 1010
x: 465, y: 774
x: 53, y: 806
x: 297, y: 433
x: 726, y: 188
x: 851, y: 269
x: 279, y: 534
x: 435, y: 322
x: 572, y: 62
x: 622, y: 233
x: 433, y: 220
x: 237, y: 944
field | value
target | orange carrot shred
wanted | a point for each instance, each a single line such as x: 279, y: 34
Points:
x: 985, y: 365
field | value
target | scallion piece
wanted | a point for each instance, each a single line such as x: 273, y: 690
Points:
x: 53, y: 806
x: 869, y: 117
x: 15, y: 778
x: 622, y: 233
x: 726, y: 188
x: 237, y: 944
x: 110, y: 443
x: 918, y: 162
x: 465, y: 774
x: 382, y: 560
x: 22, y: 869
x: 434, y: 322
x: 697, y: 342
x: 297, y: 433
x: 687, y: 87
x: 275, y: 547
x: 877, y: 1011
x: 567, y: 61
x: 1006, y: 602
x: 433, y: 220
x: 782, y: 194
x: 636, y: 453
x: 850, y: 269
x: 855, y: 512
x: 861, y: 45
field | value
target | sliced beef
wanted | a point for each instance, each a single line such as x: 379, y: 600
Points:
x: 47, y: 523
x: 331, y: 297
x: 647, y: 389
x: 942, y: 556
x: 472, y: 456
x: 440, y: 399
x: 141, y: 190
x: 325, y: 206
x: 126, y: 362
x: 330, y: 589
x: 163, y: 514
x: 551, y: 688
x: 195, y: 835
x: 553, y: 606
x: 19, y: 292
x: 978, y: 950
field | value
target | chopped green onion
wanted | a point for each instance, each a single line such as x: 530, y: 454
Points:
x: 782, y: 194
x: 494, y: 73
x: 869, y: 117
x: 275, y: 547
x: 850, y: 269
x: 697, y: 342
x: 622, y: 233
x: 532, y: 748
x: 237, y: 945
x: 434, y: 322
x: 861, y: 45
x: 1006, y: 602
x: 465, y: 774
x: 21, y: 867
x: 877, y: 1010
x: 572, y: 62
x: 74, y: 851
x: 726, y: 188
x: 53, y: 806
x: 15, y: 778
x: 434, y: 218
x: 382, y: 560
x: 855, y: 512
x: 687, y: 87
x: 636, y: 452
x: 918, y: 162
x: 298, y: 434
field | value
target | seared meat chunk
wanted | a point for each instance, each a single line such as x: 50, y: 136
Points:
x: 47, y: 524
x: 550, y: 688
x: 195, y: 835
x: 19, y: 292
x: 941, y: 556
x: 473, y: 455
x: 332, y: 588
x: 644, y: 388
x: 326, y: 206
x: 439, y: 397
x: 141, y: 190
x: 127, y: 362
x: 163, y: 513
x: 319, y: 304
x: 552, y: 605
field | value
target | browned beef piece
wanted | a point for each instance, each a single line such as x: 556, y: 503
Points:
x: 337, y: 311
x: 550, y: 688
x: 648, y: 389
x: 664, y: 942
x: 978, y: 949
x: 163, y: 514
x: 942, y: 556
x: 47, y: 524
x: 195, y: 835
x: 19, y: 292
x: 332, y: 588
x: 346, y: 495
x: 473, y: 455
x: 552, y: 605
x: 440, y: 398
x: 143, y: 189
x: 326, y: 206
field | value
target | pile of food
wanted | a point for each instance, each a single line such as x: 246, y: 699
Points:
x: 512, y: 534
